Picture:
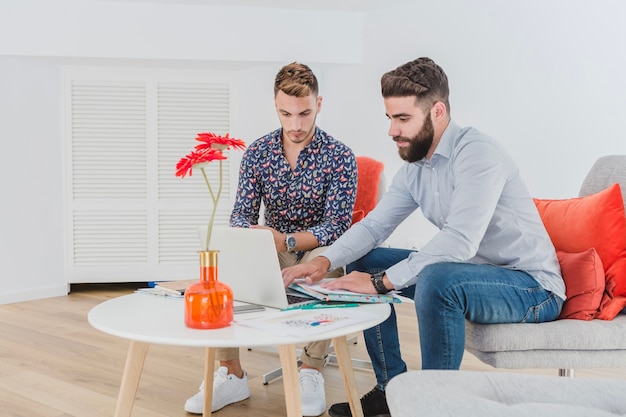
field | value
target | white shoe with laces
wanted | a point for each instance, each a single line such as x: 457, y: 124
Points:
x: 312, y: 393
x: 227, y: 389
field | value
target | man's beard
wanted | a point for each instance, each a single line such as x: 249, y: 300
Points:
x: 307, y: 134
x: 420, y: 144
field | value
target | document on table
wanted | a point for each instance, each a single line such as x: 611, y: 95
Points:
x: 308, y: 322
x: 175, y: 289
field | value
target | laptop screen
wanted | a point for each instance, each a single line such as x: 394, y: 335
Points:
x: 248, y: 263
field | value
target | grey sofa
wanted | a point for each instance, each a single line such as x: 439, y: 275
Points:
x: 492, y: 394
x: 562, y: 344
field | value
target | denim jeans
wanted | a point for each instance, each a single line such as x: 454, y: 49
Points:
x: 447, y: 294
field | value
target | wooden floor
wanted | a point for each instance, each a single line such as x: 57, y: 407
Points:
x: 54, y: 364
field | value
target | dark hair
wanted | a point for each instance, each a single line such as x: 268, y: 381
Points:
x: 421, y: 78
x: 296, y: 80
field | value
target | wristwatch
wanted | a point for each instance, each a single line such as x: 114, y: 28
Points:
x: 290, y: 242
x: 377, y: 282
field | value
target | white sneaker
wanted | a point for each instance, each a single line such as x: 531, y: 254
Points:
x: 227, y: 389
x: 312, y: 393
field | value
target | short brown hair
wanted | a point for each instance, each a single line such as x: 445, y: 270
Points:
x: 421, y: 78
x: 296, y: 80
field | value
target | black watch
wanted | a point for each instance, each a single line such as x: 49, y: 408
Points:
x: 290, y: 242
x: 377, y: 282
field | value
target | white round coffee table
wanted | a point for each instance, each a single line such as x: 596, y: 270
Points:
x: 147, y: 319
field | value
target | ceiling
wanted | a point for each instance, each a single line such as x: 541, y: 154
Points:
x: 332, y: 5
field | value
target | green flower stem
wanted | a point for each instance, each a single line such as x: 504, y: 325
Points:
x: 215, y: 199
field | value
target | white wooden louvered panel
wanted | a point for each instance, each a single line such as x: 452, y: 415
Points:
x: 178, y: 234
x: 129, y: 217
x: 110, y: 238
x: 184, y: 110
x: 108, y: 140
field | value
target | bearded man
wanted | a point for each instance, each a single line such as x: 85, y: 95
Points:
x: 492, y: 260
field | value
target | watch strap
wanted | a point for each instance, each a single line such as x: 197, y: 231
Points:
x: 377, y: 282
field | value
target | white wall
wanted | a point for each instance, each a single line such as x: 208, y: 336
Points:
x: 31, y: 213
x: 544, y: 77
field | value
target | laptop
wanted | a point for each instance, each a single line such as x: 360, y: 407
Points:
x: 248, y: 264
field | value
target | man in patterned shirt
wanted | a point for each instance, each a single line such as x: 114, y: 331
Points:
x: 306, y: 181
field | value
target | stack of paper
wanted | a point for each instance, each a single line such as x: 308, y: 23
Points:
x: 316, y: 290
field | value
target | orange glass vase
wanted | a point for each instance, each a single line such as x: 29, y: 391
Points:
x: 208, y: 302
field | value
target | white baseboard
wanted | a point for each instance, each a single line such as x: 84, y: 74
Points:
x: 33, y: 294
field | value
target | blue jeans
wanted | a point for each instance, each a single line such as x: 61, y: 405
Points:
x: 447, y: 294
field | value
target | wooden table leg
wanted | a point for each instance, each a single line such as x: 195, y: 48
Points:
x: 288, y: 362
x: 347, y: 372
x: 130, y: 380
x: 209, y: 368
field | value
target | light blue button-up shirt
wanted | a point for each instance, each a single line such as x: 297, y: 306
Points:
x: 472, y: 191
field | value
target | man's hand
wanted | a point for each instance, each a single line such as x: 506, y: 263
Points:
x: 355, y: 281
x: 313, y: 271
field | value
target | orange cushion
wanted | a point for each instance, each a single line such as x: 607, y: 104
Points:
x: 595, y: 221
x: 369, y: 174
x: 583, y: 274
x: 614, y: 299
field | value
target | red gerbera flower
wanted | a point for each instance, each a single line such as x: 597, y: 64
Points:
x: 204, y: 156
x: 211, y: 140
x: 210, y: 149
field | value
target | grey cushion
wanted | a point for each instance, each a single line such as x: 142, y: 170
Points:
x: 488, y: 394
x: 561, y: 344
x: 606, y: 171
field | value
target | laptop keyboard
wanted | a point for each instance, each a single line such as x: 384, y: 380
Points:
x: 294, y: 299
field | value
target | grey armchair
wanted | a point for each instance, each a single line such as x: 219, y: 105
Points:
x: 561, y: 344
